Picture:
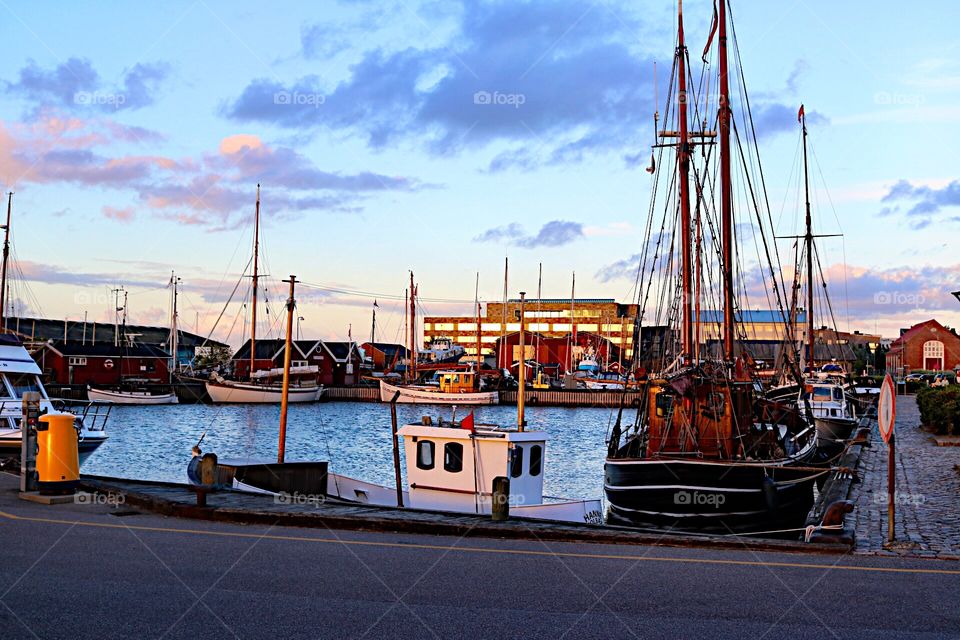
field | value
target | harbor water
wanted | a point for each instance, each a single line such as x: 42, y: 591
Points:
x: 153, y: 442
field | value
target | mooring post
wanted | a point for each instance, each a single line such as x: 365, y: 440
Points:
x: 28, y: 443
x: 396, y: 447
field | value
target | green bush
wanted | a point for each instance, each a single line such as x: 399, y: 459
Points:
x: 940, y: 409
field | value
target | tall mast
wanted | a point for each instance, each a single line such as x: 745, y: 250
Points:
x: 522, y: 370
x: 373, y: 326
x: 476, y: 302
x: 808, y: 240
x: 285, y: 390
x: 573, y: 326
x: 3, y: 269
x: 683, y: 161
x: 174, y: 330
x: 256, y: 278
x: 501, y: 356
x: 726, y: 189
x: 413, y: 329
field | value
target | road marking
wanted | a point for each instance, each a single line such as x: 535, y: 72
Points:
x: 520, y: 552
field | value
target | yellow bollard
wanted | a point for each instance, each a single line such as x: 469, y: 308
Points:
x: 58, y: 456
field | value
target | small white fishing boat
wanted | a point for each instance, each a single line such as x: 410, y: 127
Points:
x: 132, y: 396
x: 456, y: 388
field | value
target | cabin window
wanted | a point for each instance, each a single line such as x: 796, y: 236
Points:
x: 453, y: 457
x: 516, y: 462
x: 76, y: 361
x: 425, y: 458
x: 536, y: 460
x: 664, y: 405
x: 717, y: 403
x: 821, y: 394
x: 837, y: 393
x: 21, y: 383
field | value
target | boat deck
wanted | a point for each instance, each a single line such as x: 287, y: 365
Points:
x: 179, y: 500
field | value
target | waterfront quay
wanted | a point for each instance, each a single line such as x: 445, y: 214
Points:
x: 97, y: 570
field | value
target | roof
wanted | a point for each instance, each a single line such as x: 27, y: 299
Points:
x: 748, y: 316
x: 910, y: 333
x: 266, y: 349
x: 339, y: 350
x: 565, y: 300
x: 107, y: 350
x: 45, y: 329
x: 388, y: 348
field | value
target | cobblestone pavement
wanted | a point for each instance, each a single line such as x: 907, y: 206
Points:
x: 927, y: 492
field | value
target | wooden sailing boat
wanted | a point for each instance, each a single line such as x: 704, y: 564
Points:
x: 707, y: 450
x: 455, y: 386
x: 132, y: 391
x: 262, y: 386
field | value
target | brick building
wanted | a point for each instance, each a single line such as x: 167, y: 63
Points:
x: 928, y: 345
x: 557, y: 351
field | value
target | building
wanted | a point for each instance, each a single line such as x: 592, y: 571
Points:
x: 548, y: 317
x: 558, y: 351
x: 385, y: 356
x: 101, y: 364
x: 755, y: 324
x: 34, y: 332
x: 338, y: 363
x: 927, y: 346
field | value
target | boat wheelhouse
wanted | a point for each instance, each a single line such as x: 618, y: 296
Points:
x: 455, y: 387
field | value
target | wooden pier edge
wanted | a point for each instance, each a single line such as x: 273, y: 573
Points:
x: 171, y: 499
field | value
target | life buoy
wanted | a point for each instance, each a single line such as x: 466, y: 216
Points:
x: 108, y: 363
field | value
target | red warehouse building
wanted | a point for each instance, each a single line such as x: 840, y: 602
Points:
x: 102, y: 364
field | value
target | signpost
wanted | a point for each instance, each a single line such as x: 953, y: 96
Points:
x: 886, y: 417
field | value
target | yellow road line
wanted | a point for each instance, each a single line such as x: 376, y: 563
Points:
x: 449, y: 548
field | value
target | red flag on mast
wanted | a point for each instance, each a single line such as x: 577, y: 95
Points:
x: 713, y: 31
x: 800, y: 114
x: 467, y: 423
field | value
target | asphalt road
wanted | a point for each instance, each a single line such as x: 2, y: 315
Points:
x: 84, y: 571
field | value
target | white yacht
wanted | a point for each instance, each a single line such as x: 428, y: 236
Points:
x: 20, y: 374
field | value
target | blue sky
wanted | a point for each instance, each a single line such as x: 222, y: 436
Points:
x: 134, y: 135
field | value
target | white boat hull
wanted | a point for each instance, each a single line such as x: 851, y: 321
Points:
x: 130, y: 397
x: 426, y: 395
x: 240, y: 393
x: 90, y: 441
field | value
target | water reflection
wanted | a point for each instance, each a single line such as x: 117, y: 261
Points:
x: 154, y: 442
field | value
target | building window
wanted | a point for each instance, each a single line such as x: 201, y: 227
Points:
x: 425, y: 450
x: 76, y: 361
x: 536, y: 460
x: 453, y: 457
x: 933, y: 355
x: 516, y: 462
x: 299, y: 363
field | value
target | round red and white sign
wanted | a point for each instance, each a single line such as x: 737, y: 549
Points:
x: 108, y: 363
x: 887, y: 408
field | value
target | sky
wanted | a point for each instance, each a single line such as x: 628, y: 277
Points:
x: 442, y: 137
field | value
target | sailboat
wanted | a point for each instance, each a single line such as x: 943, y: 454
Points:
x: 823, y: 390
x: 455, y: 387
x: 128, y: 392
x: 707, y: 450
x: 451, y: 466
x: 262, y: 387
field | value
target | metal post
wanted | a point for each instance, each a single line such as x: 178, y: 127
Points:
x: 28, y: 443
x: 396, y: 447
x: 891, y: 488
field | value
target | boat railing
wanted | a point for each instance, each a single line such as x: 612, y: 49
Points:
x: 93, y: 415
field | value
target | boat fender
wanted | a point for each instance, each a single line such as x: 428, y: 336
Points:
x: 769, y: 488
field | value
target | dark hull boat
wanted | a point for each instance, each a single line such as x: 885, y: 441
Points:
x: 708, y: 451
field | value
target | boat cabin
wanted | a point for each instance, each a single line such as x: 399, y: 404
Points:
x: 452, y: 469
x: 827, y: 400
x: 458, y: 381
